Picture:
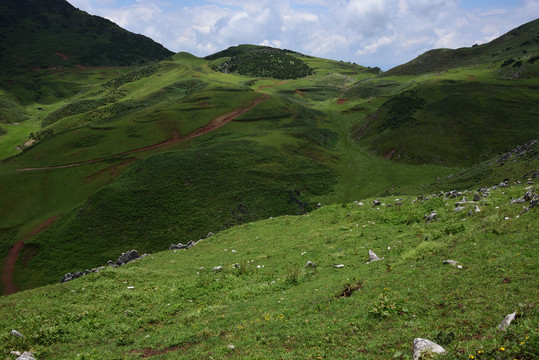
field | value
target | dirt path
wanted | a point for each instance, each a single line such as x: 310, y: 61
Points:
x: 214, y: 124
x: 13, y: 255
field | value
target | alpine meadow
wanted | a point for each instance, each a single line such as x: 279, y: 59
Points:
x: 281, y: 205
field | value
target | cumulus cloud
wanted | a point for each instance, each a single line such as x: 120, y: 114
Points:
x: 381, y: 33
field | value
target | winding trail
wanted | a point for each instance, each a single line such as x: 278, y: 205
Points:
x: 214, y: 124
x: 13, y: 255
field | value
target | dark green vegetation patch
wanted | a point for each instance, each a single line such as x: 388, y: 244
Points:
x: 263, y: 62
x: 176, y: 197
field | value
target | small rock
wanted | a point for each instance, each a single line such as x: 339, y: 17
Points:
x: 338, y: 266
x: 506, y: 321
x: 430, y: 217
x: 373, y: 257
x: 376, y: 202
x: 458, y: 208
x: 217, y: 268
x: 459, y: 266
x: 310, y: 264
x: 423, y: 345
x: 231, y: 347
x: 16, y: 353
x: 16, y: 333
x: 27, y: 355
x: 450, y: 262
x: 130, y: 287
x: 477, y: 209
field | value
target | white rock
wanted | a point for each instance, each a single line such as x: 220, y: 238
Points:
x: 338, y: 266
x: 506, y: 321
x: 217, y: 268
x: 450, y: 262
x: 16, y: 333
x: 423, y: 345
x: 310, y: 264
x: 234, y: 251
x: 373, y: 257
x: 231, y: 347
x: 459, y: 266
x: 16, y: 353
x: 130, y: 287
x: 27, y: 355
x: 477, y: 209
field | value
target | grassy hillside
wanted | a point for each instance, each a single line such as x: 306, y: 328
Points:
x: 52, y: 33
x: 518, y: 48
x: 167, y: 152
x: 271, y: 306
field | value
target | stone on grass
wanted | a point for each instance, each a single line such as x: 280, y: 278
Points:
x: 27, y: 355
x: 217, y: 268
x: 430, y: 217
x: 231, y: 347
x: 16, y: 333
x: 506, y: 321
x: 373, y: 257
x: 338, y: 266
x: 426, y: 346
x: 450, y: 262
x: 310, y: 264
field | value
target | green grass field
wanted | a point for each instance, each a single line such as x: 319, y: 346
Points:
x: 172, y: 305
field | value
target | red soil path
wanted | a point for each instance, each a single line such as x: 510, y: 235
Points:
x: 341, y: 101
x: 214, y: 124
x: 13, y: 255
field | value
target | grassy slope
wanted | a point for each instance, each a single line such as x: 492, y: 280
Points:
x: 151, y: 106
x: 272, y: 307
x: 521, y: 43
x: 53, y: 33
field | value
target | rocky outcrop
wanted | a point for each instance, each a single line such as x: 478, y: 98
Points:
x: 122, y: 260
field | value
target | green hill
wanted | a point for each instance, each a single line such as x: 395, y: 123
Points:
x: 519, y: 47
x: 265, y: 303
x: 53, y: 33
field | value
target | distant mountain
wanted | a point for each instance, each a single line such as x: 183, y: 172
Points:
x: 49, y: 33
x: 517, y: 45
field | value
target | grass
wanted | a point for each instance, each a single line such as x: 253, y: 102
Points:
x: 274, y: 307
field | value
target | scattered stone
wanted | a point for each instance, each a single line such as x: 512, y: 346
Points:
x: 426, y: 346
x: 231, y: 347
x: 179, y: 246
x: 209, y: 234
x: 373, y: 257
x: 236, y: 266
x: 27, y: 355
x: 310, y: 264
x: 130, y: 287
x: 503, y: 184
x: 16, y: 333
x: 450, y: 262
x: 376, y: 202
x: 458, y: 208
x: 459, y: 266
x: 16, y: 353
x: 430, y: 217
x: 338, y: 266
x: 319, y: 205
x: 476, y: 197
x: 127, y: 257
x: 477, y: 209
x: 506, y: 321
x: 217, y: 268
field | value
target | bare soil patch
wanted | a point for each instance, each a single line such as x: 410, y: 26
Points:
x: 341, y: 101
x: 13, y: 255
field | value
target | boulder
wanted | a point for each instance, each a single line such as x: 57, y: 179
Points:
x: 426, y: 346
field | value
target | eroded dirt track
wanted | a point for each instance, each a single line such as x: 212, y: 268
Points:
x: 214, y: 124
x: 13, y: 255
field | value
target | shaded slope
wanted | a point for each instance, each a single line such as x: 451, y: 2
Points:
x: 52, y: 33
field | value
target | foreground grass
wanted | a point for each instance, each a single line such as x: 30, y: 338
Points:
x: 273, y: 307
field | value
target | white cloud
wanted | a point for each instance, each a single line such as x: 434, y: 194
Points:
x: 369, y: 32
x: 372, y: 48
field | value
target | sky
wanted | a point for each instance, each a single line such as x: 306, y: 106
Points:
x: 382, y: 33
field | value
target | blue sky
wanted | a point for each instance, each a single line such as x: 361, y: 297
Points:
x: 382, y: 33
